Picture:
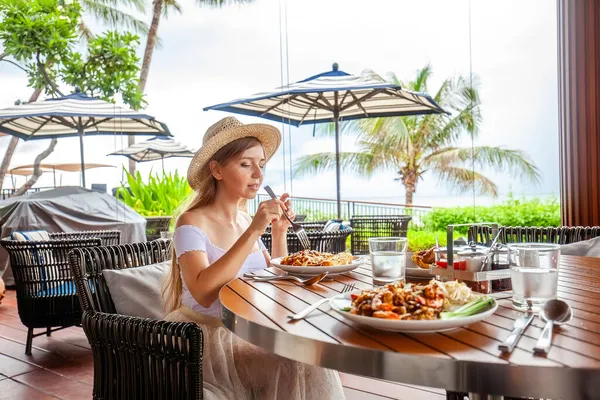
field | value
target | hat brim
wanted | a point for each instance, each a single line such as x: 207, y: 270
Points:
x: 267, y: 135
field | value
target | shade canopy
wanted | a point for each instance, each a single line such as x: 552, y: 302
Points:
x: 72, y: 167
x: 76, y: 115
x: 333, y: 96
x: 157, y: 148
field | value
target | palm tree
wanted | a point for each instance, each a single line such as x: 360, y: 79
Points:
x: 162, y: 8
x: 108, y: 12
x: 415, y: 145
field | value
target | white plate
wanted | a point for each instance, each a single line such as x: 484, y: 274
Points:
x: 337, y: 269
x: 341, y: 301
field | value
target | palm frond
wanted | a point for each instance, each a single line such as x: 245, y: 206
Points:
x: 463, y: 179
x: 106, y: 12
x: 515, y: 162
x: 363, y: 164
x: 420, y: 82
x: 171, y: 5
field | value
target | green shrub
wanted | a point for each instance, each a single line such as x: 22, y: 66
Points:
x: 512, y: 212
x: 422, y: 240
x: 159, y: 197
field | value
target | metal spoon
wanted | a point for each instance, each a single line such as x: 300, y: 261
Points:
x: 554, y: 312
x: 305, y: 282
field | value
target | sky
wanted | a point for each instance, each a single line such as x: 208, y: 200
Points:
x: 210, y: 56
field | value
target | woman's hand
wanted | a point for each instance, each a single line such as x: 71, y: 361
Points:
x: 282, y: 223
x: 268, y: 212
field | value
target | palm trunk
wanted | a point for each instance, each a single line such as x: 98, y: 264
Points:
x: 36, y: 168
x: 150, y: 44
x: 12, y: 146
x: 408, y: 197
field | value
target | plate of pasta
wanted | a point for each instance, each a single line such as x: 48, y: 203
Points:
x: 312, y: 262
x: 418, y: 308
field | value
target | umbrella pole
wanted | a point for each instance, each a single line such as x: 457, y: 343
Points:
x: 162, y: 160
x: 54, y: 175
x: 82, y: 159
x: 336, y: 117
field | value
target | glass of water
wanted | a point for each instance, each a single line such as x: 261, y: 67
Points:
x: 388, y: 259
x: 534, y: 274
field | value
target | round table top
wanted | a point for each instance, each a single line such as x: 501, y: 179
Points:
x: 466, y: 359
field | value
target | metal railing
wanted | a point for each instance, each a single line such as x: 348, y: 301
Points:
x: 317, y: 209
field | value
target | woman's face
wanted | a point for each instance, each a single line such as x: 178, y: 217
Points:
x: 243, y: 176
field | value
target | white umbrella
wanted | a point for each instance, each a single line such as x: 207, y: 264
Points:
x: 333, y: 96
x: 157, y: 148
x: 76, y: 115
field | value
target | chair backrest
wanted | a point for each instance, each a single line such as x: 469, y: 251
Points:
x: 330, y: 242
x: 87, y: 265
x: 107, y: 237
x: 368, y: 226
x: 532, y: 234
x: 41, y: 269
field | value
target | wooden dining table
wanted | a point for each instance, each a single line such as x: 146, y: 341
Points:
x: 466, y: 359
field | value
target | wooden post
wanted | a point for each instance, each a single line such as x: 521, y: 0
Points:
x: 579, y: 111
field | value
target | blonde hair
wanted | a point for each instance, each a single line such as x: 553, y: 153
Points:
x: 173, y: 286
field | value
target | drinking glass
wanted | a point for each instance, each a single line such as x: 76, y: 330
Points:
x: 388, y: 259
x: 534, y: 274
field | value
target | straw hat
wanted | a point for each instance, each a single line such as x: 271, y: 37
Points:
x: 224, y: 132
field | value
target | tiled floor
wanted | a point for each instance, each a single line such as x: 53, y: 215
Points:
x: 61, y: 367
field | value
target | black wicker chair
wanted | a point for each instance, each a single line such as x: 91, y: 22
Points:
x: 368, y: 226
x: 520, y: 234
x: 134, y: 358
x: 107, y: 237
x: 46, y: 295
x: 331, y: 242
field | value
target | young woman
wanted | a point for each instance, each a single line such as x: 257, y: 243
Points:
x: 215, y: 241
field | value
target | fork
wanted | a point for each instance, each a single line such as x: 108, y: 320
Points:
x: 298, y: 229
x: 302, y: 314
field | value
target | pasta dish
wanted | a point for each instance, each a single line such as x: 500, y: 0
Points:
x: 312, y: 258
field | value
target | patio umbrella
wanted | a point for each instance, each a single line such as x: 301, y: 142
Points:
x: 333, y: 96
x: 76, y: 115
x: 68, y: 167
x: 157, y: 148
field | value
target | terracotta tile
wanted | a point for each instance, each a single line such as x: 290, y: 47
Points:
x: 37, y: 357
x: 56, y: 385
x: 11, y: 367
x: 11, y: 390
x: 64, y: 349
x: 82, y: 373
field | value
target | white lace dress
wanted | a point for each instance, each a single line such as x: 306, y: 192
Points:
x: 234, y: 368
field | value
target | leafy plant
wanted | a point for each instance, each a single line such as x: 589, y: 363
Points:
x: 512, y: 212
x: 422, y: 240
x: 160, y: 196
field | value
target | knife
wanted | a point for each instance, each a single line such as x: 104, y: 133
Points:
x: 511, y: 341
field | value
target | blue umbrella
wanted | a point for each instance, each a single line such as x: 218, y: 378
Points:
x: 79, y: 115
x: 333, y: 96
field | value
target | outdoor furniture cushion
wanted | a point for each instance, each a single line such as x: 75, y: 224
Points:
x: 34, y: 236
x: 137, y: 291
x: 585, y: 248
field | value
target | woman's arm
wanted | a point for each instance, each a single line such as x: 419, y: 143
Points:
x: 278, y: 243
x: 204, y: 280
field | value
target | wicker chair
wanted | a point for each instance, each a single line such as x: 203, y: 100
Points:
x: 107, y: 238
x: 331, y: 242
x: 134, y: 357
x: 519, y: 234
x: 46, y: 296
x: 367, y: 226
